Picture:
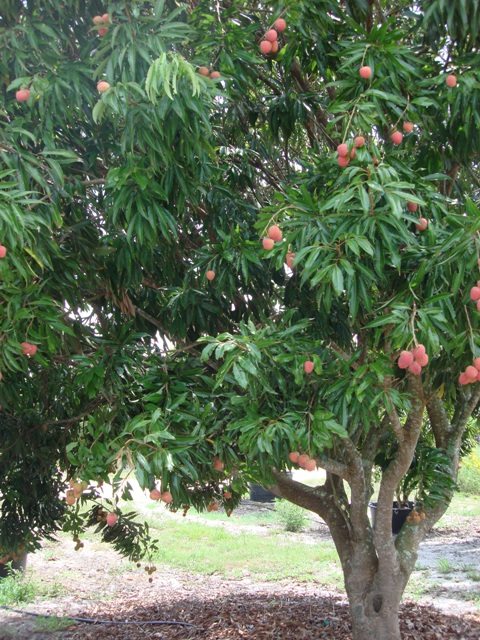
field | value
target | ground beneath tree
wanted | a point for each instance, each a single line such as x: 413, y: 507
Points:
x: 96, y: 583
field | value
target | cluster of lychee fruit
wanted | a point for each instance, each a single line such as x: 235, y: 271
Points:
x: 213, y: 75
x: 303, y: 460
x: 101, y: 22
x: 274, y: 234
x: 346, y: 152
x: 471, y: 373
x: 269, y: 45
x: 415, y: 517
x: 475, y: 294
x: 413, y: 360
x: 164, y: 496
x: 29, y: 349
x: 422, y: 224
x: 75, y: 491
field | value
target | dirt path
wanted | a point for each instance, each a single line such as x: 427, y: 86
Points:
x: 97, y: 583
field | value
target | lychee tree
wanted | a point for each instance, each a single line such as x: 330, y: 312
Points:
x: 237, y: 252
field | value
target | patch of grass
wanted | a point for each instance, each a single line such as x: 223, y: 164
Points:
x: 203, y: 549
x: 50, y: 625
x: 17, y: 589
x: 291, y: 517
x: 416, y: 586
x: 464, y: 505
x: 474, y: 575
x: 445, y: 566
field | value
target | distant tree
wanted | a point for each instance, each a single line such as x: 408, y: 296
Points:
x: 171, y: 338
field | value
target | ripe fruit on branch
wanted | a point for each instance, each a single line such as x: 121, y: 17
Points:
x: 342, y: 149
x: 112, y: 519
x: 412, y: 206
x: 275, y: 233
x: 266, y: 47
x: 215, y: 75
x: 166, y: 497
x: 396, y: 137
x: 359, y: 141
x: 106, y: 18
x: 408, y: 127
x: 227, y: 495
x: 218, y: 465
x: 97, y: 20
x: 365, y: 72
x: 343, y: 161
x: 415, y: 368
x: 203, y: 71
x: 102, y: 32
x: 70, y: 497
x: 155, y: 494
x: 308, y: 366
x: 293, y: 456
x: 303, y: 459
x: 210, y: 275
x: 310, y: 465
x: 289, y: 260
x: 271, y: 35
x: 475, y: 294
x: 471, y: 373
x: 3, y: 251
x: 22, y: 95
x: 422, y: 360
x: 280, y: 25
x: 463, y: 379
x: 451, y: 80
x: 268, y: 244
x: 103, y: 86
x: 29, y: 349
x: 419, y: 351
x: 275, y: 47
x: 476, y: 364
x: 422, y: 224
x: 213, y: 506
x: 405, y: 359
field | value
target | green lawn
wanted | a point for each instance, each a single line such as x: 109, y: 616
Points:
x: 204, y: 549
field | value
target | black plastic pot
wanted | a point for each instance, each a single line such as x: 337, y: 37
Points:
x: 17, y: 565
x: 399, y: 514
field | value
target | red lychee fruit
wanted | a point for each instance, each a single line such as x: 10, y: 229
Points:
x: 227, y: 495
x: 412, y: 206
x: 308, y: 366
x: 396, y: 137
x: 451, y: 81
x: 70, y: 497
x: 218, y: 465
x: 293, y: 456
x: 103, y: 86
x: 290, y: 259
x: 275, y: 47
x: 280, y: 25
x: 166, y: 497
x: 265, y: 47
x: 106, y: 18
x: 210, y: 275
x: 29, y: 349
x: 471, y: 373
x: 418, y: 351
x: 203, y: 71
x: 408, y: 127
x: 310, y: 465
x: 268, y: 244
x: 102, y: 32
x: 112, y: 519
x: 155, y: 494
x: 422, y: 224
x: 215, y: 75
x: 475, y: 293
x: 476, y: 363
x: 343, y: 161
x: 271, y: 35
x: 342, y: 149
x: 365, y: 72
x: 405, y: 359
x: 359, y: 141
x: 353, y: 153
x: 275, y: 233
x: 422, y: 360
x: 415, y: 369
x: 3, y: 251
x: 303, y: 459
x: 22, y: 95
x: 97, y: 20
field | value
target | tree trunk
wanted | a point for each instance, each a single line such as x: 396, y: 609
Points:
x: 374, y: 605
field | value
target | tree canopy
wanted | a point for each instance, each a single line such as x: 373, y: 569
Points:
x: 145, y: 324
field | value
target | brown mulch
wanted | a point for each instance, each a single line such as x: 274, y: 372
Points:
x: 264, y: 615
